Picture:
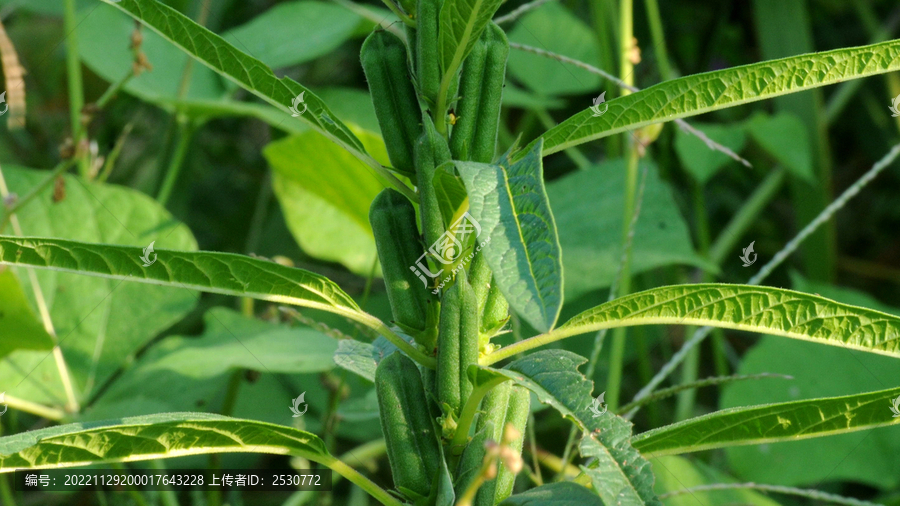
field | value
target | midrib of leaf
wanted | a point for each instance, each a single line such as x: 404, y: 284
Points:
x: 242, y: 276
x: 770, y: 312
x: 705, y: 432
x: 652, y: 105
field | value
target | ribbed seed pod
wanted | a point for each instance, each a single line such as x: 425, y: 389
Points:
x: 496, y: 491
x: 384, y: 61
x: 428, y: 58
x: 431, y: 151
x: 413, y: 447
x: 457, y: 343
x: 495, y: 313
x: 393, y: 220
x: 474, y: 135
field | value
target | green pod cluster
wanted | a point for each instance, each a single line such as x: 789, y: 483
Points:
x: 457, y: 343
x: 384, y: 62
x: 427, y: 50
x: 413, y: 447
x: 474, y: 135
x: 393, y: 220
x: 505, y: 404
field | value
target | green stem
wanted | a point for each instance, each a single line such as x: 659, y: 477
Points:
x: 6, y: 492
x: 231, y: 394
x: 185, y: 132
x: 76, y: 86
x: 467, y: 416
x: 689, y: 373
x: 659, y: 39
x: 361, y: 481
x: 746, y: 216
x: 113, y: 89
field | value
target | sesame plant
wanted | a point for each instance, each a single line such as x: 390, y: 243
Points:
x: 472, y: 262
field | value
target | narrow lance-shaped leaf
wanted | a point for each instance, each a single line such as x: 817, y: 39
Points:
x: 167, y: 435
x: 619, y: 475
x: 761, y: 309
x: 521, y: 244
x: 702, y: 93
x: 245, y: 70
x: 224, y: 273
x: 772, y: 423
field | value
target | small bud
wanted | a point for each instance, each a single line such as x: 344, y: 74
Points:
x: 492, y: 449
x: 490, y: 472
x: 511, y: 459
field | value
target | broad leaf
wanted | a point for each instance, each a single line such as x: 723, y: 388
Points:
x: 19, y: 326
x: 564, y: 493
x: 761, y: 309
x: 785, y: 138
x: 461, y: 23
x: 181, y: 372
x: 291, y: 33
x: 356, y: 357
x: 511, y: 206
x: 325, y: 195
x: 704, y: 163
x: 870, y: 457
x: 620, y: 475
x: 771, y: 423
x: 587, y: 208
x: 246, y: 71
x: 100, y: 322
x: 553, y: 27
x: 153, y: 437
x: 710, y: 91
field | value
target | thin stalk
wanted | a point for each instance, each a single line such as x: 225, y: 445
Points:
x: 746, y: 215
x: 185, y: 132
x: 113, y: 155
x: 113, y: 89
x: 231, y: 394
x: 55, y: 414
x: 362, y: 482
x: 716, y: 380
x: 518, y: 12
x: 466, y: 416
x: 659, y: 39
x: 6, y: 495
x: 74, y: 80
x: 690, y: 370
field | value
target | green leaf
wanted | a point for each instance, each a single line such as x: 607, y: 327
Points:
x: 104, y: 36
x: 179, y: 370
x: 100, y: 322
x: 678, y: 473
x: 771, y: 423
x: 564, y: 493
x: 356, y: 357
x: 587, y: 208
x: 291, y: 33
x: 522, y: 248
x: 325, y: 195
x: 153, y: 437
x: 620, y: 475
x: 461, y: 23
x: 785, y: 138
x: 869, y: 457
x: 700, y: 161
x: 246, y: 71
x: 451, y: 194
x: 554, y: 28
x: 710, y: 91
x: 19, y: 327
